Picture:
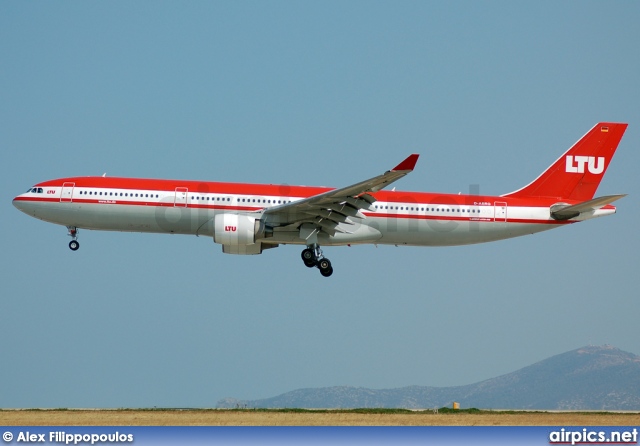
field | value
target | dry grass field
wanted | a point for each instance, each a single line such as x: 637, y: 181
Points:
x: 130, y: 417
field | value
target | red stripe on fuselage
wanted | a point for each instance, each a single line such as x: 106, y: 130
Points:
x: 475, y: 219
x: 274, y: 190
x: 193, y: 186
x: 380, y: 215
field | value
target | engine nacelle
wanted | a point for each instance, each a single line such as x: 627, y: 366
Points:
x: 235, y: 229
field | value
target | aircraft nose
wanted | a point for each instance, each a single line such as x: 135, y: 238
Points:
x: 18, y: 203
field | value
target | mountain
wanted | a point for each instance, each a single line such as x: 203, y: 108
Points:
x: 589, y: 378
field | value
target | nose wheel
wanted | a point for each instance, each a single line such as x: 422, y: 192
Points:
x: 73, y: 233
x: 312, y: 256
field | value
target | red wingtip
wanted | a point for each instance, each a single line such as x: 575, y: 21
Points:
x: 408, y: 164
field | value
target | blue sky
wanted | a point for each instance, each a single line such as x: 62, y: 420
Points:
x: 326, y: 94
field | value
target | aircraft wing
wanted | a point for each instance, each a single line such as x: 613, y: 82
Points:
x: 327, y: 210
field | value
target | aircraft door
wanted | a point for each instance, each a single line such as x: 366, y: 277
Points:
x: 181, y: 197
x: 66, y: 196
x: 500, y: 211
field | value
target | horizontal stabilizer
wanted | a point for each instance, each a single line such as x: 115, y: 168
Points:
x: 565, y: 212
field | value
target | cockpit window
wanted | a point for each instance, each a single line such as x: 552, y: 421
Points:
x: 35, y: 190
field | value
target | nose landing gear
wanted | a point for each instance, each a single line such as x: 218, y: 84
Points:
x: 312, y: 256
x: 73, y: 233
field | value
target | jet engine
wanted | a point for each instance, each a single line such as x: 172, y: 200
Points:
x: 237, y: 230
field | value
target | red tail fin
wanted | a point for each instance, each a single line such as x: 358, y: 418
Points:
x: 577, y: 174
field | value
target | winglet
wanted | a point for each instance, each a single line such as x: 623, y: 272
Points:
x: 408, y: 164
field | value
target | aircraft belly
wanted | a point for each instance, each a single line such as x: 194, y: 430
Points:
x: 186, y: 220
x: 134, y: 218
x: 357, y: 234
x: 450, y: 233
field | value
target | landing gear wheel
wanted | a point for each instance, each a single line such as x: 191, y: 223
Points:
x: 73, y: 233
x: 327, y: 272
x: 309, y: 258
x: 324, y: 265
x: 312, y: 256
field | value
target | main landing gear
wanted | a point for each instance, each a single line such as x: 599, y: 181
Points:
x: 312, y: 256
x: 73, y: 233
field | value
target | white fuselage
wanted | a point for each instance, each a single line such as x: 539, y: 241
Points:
x: 398, y: 218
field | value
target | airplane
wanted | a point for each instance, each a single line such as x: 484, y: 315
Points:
x: 248, y: 218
